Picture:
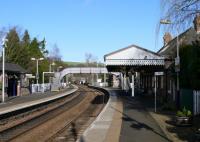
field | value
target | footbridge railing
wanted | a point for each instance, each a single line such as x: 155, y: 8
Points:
x: 83, y: 70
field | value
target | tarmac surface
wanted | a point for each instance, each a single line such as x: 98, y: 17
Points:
x: 137, y: 123
x: 124, y: 119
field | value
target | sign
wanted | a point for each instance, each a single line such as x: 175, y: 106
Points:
x: 37, y: 76
x: 177, y: 61
x: 159, y: 73
x: 99, y: 80
x: 177, y: 64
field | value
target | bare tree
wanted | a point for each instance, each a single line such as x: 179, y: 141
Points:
x: 180, y: 12
x: 2, y: 32
x: 55, y: 53
x: 2, y: 35
x: 90, y: 59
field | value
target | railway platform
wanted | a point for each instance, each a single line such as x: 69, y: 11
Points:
x: 20, y: 102
x: 124, y: 119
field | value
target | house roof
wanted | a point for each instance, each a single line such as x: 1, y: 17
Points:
x: 186, y: 37
x: 133, y: 55
x: 14, y: 68
x: 131, y: 46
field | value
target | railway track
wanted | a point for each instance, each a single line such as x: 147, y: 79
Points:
x: 72, y: 131
x: 58, y: 121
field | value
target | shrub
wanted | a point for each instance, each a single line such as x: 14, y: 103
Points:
x: 184, y: 113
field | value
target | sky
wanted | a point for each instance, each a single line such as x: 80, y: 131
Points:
x: 86, y: 26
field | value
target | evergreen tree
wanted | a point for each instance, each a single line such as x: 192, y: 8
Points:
x: 35, y: 49
x: 25, y: 45
x: 42, y: 45
x: 26, y: 38
x: 12, y: 46
x: 21, y: 51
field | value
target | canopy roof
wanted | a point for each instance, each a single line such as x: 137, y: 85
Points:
x: 13, y: 68
x: 133, y: 56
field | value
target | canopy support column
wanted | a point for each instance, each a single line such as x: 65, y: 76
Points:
x: 133, y: 86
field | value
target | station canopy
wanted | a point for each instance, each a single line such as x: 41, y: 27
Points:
x: 133, y: 58
x: 13, y: 68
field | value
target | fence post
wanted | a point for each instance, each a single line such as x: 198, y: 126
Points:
x: 197, y: 93
x: 194, y: 103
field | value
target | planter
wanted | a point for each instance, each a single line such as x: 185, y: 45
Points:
x: 197, y: 135
x: 183, y: 121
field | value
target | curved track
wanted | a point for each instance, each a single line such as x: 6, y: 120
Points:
x: 50, y: 124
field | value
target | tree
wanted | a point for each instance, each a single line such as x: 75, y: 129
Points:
x: 42, y: 45
x: 2, y: 33
x: 180, y: 12
x: 55, y: 53
x: 26, y: 38
x: 16, y: 51
x: 12, y: 48
x: 90, y: 59
x: 34, y: 52
x: 35, y: 49
x: 25, y: 44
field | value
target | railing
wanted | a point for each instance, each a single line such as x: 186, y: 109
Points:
x: 81, y: 70
x: 196, y: 102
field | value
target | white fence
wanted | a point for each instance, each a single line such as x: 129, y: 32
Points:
x: 101, y: 84
x: 196, y: 102
x: 47, y: 87
x: 39, y: 87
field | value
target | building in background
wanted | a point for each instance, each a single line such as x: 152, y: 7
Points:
x: 14, y: 79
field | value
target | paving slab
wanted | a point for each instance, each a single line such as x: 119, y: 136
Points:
x: 20, y: 102
x: 103, y: 128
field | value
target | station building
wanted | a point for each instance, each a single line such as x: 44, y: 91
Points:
x: 14, y: 79
x: 138, y: 65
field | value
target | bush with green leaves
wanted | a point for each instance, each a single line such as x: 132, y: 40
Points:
x: 190, y: 66
x: 184, y: 113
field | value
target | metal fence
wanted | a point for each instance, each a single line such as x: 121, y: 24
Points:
x: 196, y: 102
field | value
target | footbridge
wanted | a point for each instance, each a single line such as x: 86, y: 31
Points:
x: 77, y: 70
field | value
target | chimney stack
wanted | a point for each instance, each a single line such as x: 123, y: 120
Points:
x: 197, y: 23
x: 167, y: 38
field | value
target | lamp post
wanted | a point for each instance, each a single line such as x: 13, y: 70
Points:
x: 37, y: 60
x: 177, y: 62
x: 3, y: 69
x: 43, y: 74
x: 97, y: 72
x: 52, y: 64
x: 50, y: 68
x: 58, y: 70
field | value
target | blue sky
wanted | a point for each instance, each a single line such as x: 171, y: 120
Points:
x: 86, y: 26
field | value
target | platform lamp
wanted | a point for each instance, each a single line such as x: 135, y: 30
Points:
x: 50, y: 68
x: 177, y: 61
x: 3, y: 68
x: 59, y: 70
x: 37, y: 60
